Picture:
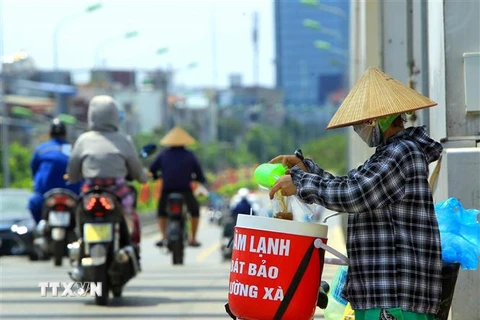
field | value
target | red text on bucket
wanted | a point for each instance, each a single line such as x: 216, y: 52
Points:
x: 263, y: 266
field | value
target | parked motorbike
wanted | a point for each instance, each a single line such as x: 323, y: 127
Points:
x: 56, y: 229
x: 107, y: 251
x: 228, y: 226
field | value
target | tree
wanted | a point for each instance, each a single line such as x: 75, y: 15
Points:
x: 229, y: 129
x: 329, y: 152
x: 220, y: 156
x: 19, y: 166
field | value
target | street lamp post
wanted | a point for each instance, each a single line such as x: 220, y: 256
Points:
x: 327, y: 46
x: 168, y: 82
x: 126, y: 35
x: 313, y: 24
x: 161, y: 51
x: 316, y: 25
x: 326, y: 8
x: 60, y: 23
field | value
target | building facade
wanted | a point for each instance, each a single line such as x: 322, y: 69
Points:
x: 312, y: 38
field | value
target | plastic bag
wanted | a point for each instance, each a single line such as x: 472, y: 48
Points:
x: 292, y: 208
x: 336, y: 303
x: 459, y: 233
x: 349, y: 313
x: 200, y: 190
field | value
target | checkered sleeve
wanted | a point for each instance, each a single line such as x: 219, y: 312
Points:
x: 377, y: 183
x: 314, y: 168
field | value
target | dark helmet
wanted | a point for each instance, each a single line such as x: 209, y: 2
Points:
x: 58, y: 128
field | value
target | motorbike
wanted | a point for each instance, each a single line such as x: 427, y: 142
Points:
x: 107, y: 252
x: 228, y: 226
x: 177, y: 233
x: 56, y: 229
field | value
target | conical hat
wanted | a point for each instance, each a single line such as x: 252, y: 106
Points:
x: 177, y: 137
x: 377, y: 95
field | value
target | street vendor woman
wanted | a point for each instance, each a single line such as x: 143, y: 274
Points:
x: 393, y: 240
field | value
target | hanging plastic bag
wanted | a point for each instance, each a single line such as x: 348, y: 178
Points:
x: 336, y: 303
x: 292, y: 208
x: 349, y: 313
x: 304, y: 211
x: 200, y: 190
x: 459, y: 233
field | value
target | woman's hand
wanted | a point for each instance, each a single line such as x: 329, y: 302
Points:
x: 285, y: 184
x: 289, y: 161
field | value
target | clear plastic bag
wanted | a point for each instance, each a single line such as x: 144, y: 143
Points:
x: 292, y: 208
x: 281, y: 206
x: 336, y: 303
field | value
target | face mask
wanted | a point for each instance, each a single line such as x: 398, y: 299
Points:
x: 369, y: 132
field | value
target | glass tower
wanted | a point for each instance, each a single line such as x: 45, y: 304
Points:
x: 312, y: 38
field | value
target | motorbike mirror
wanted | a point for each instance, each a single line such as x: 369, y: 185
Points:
x: 147, y: 150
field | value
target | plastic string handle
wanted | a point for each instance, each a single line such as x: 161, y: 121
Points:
x: 342, y: 260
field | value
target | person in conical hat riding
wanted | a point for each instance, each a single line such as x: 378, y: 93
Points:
x: 393, y: 239
x: 178, y: 167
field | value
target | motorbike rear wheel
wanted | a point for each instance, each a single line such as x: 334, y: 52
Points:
x: 58, y: 250
x: 177, y: 252
x: 102, y: 276
x: 117, y: 291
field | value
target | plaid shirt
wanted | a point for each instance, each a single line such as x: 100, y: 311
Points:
x: 393, y: 240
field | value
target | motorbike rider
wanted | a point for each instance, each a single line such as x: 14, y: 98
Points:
x: 241, y: 204
x: 48, y: 165
x: 178, y: 167
x: 106, y: 158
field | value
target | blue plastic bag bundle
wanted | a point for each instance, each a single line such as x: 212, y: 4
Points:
x: 336, y: 303
x: 459, y: 232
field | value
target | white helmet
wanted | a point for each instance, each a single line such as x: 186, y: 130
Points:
x: 243, y: 192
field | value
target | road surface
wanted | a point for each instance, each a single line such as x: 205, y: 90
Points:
x: 197, y: 290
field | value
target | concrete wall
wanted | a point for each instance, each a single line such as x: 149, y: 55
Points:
x: 462, y: 35
x: 437, y: 33
x: 365, y: 52
x: 460, y: 31
x: 436, y: 71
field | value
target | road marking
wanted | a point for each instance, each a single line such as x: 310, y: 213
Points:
x: 205, y: 253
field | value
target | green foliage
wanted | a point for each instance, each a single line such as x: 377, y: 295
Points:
x: 261, y: 142
x: 230, y: 189
x: 219, y: 156
x: 241, y: 145
x: 151, y: 204
x: 229, y: 129
x: 329, y: 152
x: 148, y: 206
x: 19, y: 166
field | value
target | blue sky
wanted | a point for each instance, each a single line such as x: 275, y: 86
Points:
x: 185, y: 27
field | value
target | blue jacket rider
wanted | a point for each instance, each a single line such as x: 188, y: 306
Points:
x: 242, y: 206
x: 49, y: 165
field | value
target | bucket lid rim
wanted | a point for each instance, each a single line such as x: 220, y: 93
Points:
x: 319, y: 230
